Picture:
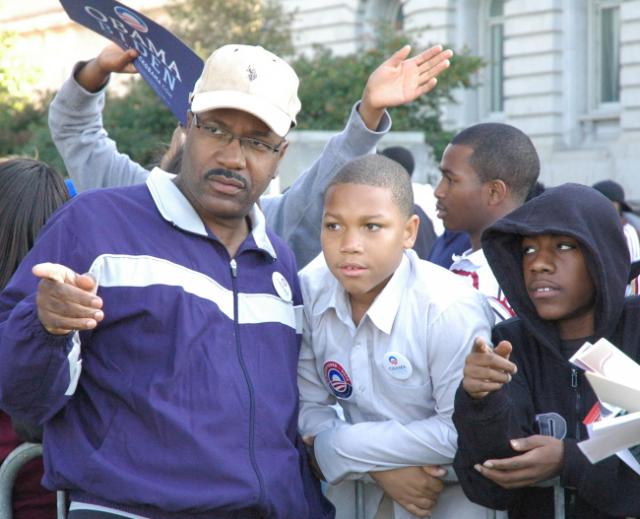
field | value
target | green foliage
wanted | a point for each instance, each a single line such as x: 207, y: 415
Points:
x: 27, y: 134
x: 140, y: 123
x: 329, y: 85
x: 14, y: 74
x: 205, y: 25
x: 23, y: 121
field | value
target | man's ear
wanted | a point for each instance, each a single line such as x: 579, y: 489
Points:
x: 498, y: 191
x: 411, y: 231
x: 189, y: 120
x: 283, y: 150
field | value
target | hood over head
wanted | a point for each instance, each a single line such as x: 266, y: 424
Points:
x: 572, y: 210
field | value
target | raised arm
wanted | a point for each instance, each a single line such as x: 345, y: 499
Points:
x: 75, y: 121
x: 296, y: 215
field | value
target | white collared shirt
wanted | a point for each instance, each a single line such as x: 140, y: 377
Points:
x: 394, y: 375
x: 473, y: 266
x: 633, y: 242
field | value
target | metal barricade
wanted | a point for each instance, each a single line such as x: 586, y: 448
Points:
x: 450, y: 478
x: 9, y: 472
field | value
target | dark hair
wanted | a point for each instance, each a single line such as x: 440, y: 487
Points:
x: 502, y: 152
x: 172, y: 161
x: 536, y: 190
x: 30, y: 192
x: 401, y: 155
x: 379, y: 171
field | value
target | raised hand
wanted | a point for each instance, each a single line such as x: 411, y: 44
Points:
x: 66, y: 301
x: 487, y: 370
x: 542, y: 459
x: 112, y: 58
x: 400, y: 80
x: 416, y: 489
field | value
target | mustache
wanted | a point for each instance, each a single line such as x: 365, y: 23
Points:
x: 227, y: 174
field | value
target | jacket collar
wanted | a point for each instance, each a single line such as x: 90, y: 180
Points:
x: 175, y: 208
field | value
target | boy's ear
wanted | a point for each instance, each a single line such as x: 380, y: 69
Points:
x: 498, y: 191
x: 411, y: 231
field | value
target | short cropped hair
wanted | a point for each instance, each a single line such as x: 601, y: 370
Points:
x: 502, y: 152
x: 30, y: 192
x: 379, y: 171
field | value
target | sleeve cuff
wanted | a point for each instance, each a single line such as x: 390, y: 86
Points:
x: 75, y: 363
x: 356, y: 120
x: 322, y: 449
x: 327, y: 458
x: 482, y: 409
x: 75, y: 97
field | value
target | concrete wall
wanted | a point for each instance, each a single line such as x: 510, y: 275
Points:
x: 305, y: 147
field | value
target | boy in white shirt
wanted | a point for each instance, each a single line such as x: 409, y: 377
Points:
x: 385, y: 338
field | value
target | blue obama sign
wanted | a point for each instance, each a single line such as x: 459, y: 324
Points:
x: 168, y: 65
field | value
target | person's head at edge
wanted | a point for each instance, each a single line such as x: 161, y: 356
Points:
x: 487, y: 171
x: 401, y: 155
x: 614, y: 192
x: 30, y: 192
x: 242, y: 108
x: 363, y: 242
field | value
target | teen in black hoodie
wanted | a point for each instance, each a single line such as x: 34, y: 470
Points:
x: 547, y: 395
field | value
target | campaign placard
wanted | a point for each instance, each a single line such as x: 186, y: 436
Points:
x: 166, y: 63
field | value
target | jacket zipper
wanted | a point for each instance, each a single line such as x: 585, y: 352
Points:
x: 252, y: 405
x: 576, y: 389
x: 570, y: 495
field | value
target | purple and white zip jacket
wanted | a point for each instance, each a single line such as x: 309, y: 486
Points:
x: 183, y: 401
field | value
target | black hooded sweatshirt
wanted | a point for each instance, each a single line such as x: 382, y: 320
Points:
x: 548, y: 395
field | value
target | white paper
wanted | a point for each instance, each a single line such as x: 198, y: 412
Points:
x: 615, y: 379
x: 615, y: 393
x: 628, y: 458
x: 609, y: 436
x: 605, y: 359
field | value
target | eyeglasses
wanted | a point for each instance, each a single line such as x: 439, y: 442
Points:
x: 224, y: 138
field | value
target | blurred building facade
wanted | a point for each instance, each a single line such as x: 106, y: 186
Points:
x: 567, y: 72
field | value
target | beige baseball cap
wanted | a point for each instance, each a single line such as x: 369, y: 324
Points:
x: 251, y: 79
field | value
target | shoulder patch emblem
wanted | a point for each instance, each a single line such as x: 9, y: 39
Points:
x: 337, y: 379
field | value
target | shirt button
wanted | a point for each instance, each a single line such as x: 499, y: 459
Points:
x: 361, y: 389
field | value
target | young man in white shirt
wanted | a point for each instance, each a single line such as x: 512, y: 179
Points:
x: 385, y: 338
x: 487, y: 171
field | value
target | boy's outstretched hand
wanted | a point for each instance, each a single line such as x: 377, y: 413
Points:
x: 487, y: 370
x: 416, y: 489
x: 542, y: 459
x: 94, y: 75
x: 400, y: 80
